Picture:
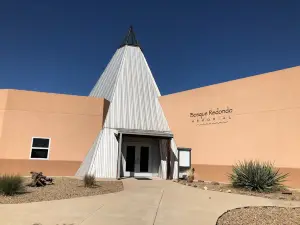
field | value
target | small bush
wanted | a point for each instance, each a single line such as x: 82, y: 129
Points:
x: 190, y: 175
x: 257, y: 176
x: 11, y: 184
x: 89, y: 180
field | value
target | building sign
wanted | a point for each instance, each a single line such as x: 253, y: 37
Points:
x: 212, y: 116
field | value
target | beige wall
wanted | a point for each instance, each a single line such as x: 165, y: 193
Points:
x: 3, y: 98
x: 1, y: 121
x: 72, y: 123
x: 264, y: 123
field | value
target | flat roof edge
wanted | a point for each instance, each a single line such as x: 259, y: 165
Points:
x: 145, y: 133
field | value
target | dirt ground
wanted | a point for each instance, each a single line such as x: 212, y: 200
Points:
x: 261, y: 215
x: 63, y: 188
x: 215, y: 186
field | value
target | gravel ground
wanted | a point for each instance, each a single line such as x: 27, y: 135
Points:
x: 269, y: 215
x: 214, y: 186
x: 63, y: 188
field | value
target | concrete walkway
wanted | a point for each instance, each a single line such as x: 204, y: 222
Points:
x: 141, y: 203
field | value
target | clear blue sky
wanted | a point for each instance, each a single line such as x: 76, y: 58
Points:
x: 63, y: 46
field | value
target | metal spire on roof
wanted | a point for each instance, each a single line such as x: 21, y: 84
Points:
x: 130, y: 39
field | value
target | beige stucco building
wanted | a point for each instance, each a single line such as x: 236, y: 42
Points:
x: 69, y: 123
x: 122, y: 129
x: 263, y: 122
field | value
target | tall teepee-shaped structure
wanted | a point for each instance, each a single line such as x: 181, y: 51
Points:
x: 127, y: 83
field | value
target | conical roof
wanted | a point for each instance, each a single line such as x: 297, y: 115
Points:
x: 128, y: 84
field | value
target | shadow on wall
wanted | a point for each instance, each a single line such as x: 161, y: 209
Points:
x: 105, y: 110
x: 173, y: 160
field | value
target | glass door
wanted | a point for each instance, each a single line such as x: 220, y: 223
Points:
x: 144, y: 159
x: 137, y: 160
x: 130, y: 158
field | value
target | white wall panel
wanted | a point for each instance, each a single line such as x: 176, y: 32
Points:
x: 174, y: 159
x: 105, y: 85
x: 163, y: 145
x: 135, y: 102
x: 101, y: 160
x: 162, y: 173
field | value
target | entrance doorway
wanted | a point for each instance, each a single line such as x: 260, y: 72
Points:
x: 137, y: 160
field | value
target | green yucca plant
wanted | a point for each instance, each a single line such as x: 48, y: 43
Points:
x: 11, y: 184
x: 89, y: 180
x: 257, y: 176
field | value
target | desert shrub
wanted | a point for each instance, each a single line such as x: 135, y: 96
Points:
x: 89, y: 180
x: 257, y: 176
x: 11, y: 184
x: 190, y: 174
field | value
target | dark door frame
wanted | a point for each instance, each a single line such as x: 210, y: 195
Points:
x: 169, y: 159
x: 119, y: 137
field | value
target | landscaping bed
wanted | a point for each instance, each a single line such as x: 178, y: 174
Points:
x: 268, y: 215
x: 63, y: 188
x: 215, y: 186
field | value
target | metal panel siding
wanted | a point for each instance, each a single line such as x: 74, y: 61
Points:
x: 163, y: 146
x: 105, y: 160
x: 162, y: 173
x: 105, y: 85
x: 155, y: 155
x: 174, y: 159
x: 135, y: 102
x: 101, y: 160
x: 85, y: 165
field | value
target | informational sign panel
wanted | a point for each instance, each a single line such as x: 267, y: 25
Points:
x: 184, y: 158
